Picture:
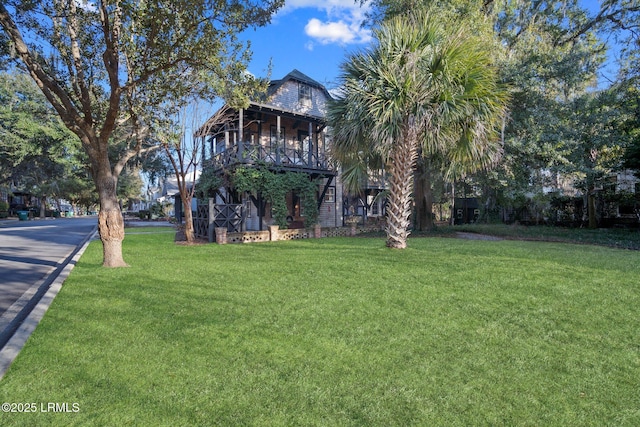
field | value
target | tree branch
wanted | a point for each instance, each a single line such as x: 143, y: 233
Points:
x: 79, y: 81
x: 601, y: 17
x: 111, y: 61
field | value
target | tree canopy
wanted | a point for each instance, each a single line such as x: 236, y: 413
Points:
x: 552, y: 56
x: 108, y: 63
x: 37, y: 152
x: 424, y: 85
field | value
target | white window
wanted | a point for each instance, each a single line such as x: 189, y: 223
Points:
x: 330, y: 195
x: 375, y: 208
x: 304, y: 94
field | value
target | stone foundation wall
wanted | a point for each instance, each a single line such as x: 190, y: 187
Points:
x: 274, y: 234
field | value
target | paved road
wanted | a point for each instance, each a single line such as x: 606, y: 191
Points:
x: 31, y: 250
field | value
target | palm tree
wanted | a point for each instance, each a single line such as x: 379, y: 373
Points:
x: 423, y: 86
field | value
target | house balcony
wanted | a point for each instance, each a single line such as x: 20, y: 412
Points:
x: 375, y: 181
x: 280, y: 158
x: 267, y: 136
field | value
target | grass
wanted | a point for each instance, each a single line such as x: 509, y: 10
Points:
x: 339, y: 332
x: 612, y: 237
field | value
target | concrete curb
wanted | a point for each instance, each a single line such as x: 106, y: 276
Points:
x: 26, y: 319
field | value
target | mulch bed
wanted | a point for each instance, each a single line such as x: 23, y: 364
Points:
x: 181, y: 239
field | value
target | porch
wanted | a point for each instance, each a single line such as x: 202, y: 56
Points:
x: 285, y: 158
x: 267, y: 136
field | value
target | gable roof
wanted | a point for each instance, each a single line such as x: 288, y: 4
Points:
x: 298, y: 76
x: 263, y: 104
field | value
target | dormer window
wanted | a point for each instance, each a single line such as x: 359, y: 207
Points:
x: 304, y: 94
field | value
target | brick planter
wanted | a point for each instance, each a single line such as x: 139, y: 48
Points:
x: 221, y: 235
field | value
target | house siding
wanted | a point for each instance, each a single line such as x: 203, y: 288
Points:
x: 298, y: 120
x: 330, y: 213
x: 626, y: 181
x: 286, y: 97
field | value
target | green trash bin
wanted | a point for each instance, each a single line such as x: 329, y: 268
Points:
x: 23, y: 215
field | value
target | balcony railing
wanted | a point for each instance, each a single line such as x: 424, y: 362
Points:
x: 376, y: 180
x: 255, y: 153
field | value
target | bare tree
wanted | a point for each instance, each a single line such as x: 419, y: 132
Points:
x: 184, y: 151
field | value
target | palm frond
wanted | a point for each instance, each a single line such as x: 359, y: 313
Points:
x: 421, y: 80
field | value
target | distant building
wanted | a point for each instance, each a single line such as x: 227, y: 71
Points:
x: 466, y: 210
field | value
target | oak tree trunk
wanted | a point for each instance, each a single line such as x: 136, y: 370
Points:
x: 110, y: 220
x: 591, y: 209
x: 43, y: 206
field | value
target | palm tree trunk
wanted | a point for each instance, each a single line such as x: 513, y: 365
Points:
x: 403, y: 157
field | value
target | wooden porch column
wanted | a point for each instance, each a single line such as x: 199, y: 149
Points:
x: 226, y: 140
x: 260, y: 211
x: 310, y: 152
x: 258, y: 142
x: 241, y: 133
x: 278, y: 136
x: 211, y: 219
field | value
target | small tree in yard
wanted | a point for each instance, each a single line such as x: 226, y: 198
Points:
x: 105, y: 63
x: 184, y: 153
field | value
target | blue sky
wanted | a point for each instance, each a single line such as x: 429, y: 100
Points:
x: 313, y: 36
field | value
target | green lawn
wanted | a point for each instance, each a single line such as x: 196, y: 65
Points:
x: 613, y: 237
x: 339, y: 332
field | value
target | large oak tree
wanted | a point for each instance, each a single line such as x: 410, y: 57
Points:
x: 102, y: 64
x: 37, y: 152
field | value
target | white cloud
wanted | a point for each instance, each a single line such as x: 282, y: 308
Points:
x: 341, y: 23
x: 329, y: 32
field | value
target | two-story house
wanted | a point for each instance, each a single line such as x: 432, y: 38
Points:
x: 284, y: 132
